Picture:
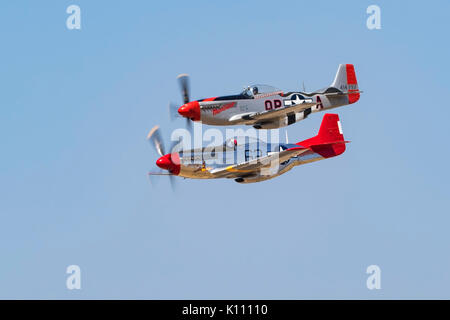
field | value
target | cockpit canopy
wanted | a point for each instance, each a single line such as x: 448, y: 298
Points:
x: 240, y: 140
x: 256, y: 89
x: 230, y: 143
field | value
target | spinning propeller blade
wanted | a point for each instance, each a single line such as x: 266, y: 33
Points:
x: 189, y: 125
x: 183, y: 80
x: 173, y: 111
x: 154, y: 137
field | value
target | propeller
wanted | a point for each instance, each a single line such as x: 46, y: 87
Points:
x: 173, y: 111
x: 188, y: 125
x: 183, y: 81
x: 155, y: 139
x: 153, y: 177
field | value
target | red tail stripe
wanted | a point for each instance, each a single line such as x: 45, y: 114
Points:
x: 351, y: 76
x: 351, y: 79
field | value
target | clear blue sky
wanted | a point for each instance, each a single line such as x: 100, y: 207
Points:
x: 76, y: 107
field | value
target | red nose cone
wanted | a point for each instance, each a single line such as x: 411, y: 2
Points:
x: 190, y: 110
x: 170, y: 162
x: 164, y: 162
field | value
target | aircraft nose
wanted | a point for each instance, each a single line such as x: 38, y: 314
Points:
x: 190, y: 110
x: 184, y: 111
x: 164, y: 162
x: 170, y: 162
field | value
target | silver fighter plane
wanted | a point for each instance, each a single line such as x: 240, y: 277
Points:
x: 266, y: 107
x: 252, y: 161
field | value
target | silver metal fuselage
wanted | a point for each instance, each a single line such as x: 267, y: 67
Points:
x: 221, y: 111
x: 197, y: 163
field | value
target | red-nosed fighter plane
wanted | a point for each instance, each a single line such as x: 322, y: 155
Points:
x: 265, y: 107
x: 251, y: 161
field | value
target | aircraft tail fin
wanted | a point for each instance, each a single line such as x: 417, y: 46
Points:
x: 345, y: 80
x: 329, y: 141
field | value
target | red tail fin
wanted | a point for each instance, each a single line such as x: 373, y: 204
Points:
x: 329, y: 142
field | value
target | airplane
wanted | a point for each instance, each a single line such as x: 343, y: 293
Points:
x: 266, y: 107
x: 253, y: 161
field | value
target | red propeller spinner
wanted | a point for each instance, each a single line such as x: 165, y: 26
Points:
x: 170, y: 162
x: 190, y: 110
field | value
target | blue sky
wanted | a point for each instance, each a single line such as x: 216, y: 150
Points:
x: 76, y: 106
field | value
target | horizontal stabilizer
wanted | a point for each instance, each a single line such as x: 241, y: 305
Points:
x: 341, y: 93
x: 329, y: 141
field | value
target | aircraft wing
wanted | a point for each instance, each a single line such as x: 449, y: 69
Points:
x: 274, y: 113
x: 254, y: 165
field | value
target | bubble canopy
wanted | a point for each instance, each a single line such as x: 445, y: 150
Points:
x: 256, y: 89
x: 241, y: 139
